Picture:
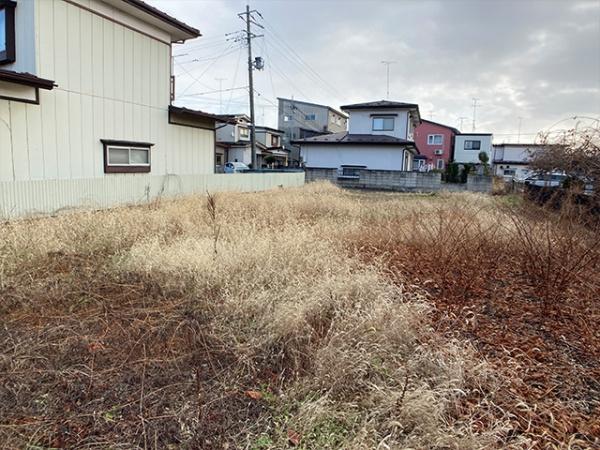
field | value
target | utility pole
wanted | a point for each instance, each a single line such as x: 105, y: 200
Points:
x: 475, y: 105
x: 462, y: 118
x: 519, y: 134
x: 388, y: 63
x: 431, y: 114
x: 258, y: 64
x: 220, y: 80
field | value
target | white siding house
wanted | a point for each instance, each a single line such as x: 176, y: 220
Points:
x: 512, y: 160
x: 85, y: 110
x: 467, y: 147
x: 379, y: 138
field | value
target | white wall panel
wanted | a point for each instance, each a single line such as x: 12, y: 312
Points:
x: 34, y: 142
x: 28, y: 198
x: 6, y: 160
x: 113, y: 83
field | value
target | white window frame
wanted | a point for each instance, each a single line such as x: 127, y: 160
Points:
x: 244, y: 132
x: 469, y: 144
x: 130, y: 167
x: 440, y: 166
x: 383, y: 126
x: 129, y: 149
x: 431, y: 139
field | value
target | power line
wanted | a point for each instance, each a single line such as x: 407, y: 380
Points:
x: 316, y: 74
x: 196, y: 79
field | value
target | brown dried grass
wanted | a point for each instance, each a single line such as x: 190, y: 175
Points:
x: 244, y: 325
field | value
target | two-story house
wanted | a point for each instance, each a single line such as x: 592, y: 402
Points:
x: 299, y: 120
x: 86, y: 118
x: 270, y: 151
x: 435, y: 142
x: 467, y: 147
x: 512, y: 160
x: 233, y: 139
x: 380, y: 137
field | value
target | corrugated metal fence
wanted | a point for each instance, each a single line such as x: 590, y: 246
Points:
x: 28, y: 198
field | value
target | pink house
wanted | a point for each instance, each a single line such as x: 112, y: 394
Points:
x: 435, y: 142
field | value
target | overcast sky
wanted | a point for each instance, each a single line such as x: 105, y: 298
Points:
x: 534, y: 59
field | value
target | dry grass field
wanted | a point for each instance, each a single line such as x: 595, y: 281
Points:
x: 310, y: 318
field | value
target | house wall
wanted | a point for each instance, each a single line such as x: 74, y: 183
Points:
x: 471, y: 156
x: 113, y: 83
x: 521, y: 170
x: 361, y: 122
x: 420, y: 135
x: 25, y: 42
x: 331, y: 156
x: 513, y: 152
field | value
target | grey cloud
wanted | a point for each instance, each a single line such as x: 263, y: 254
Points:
x: 536, y: 59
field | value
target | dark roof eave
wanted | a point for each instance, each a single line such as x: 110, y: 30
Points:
x: 26, y: 79
x: 157, y: 13
x: 192, y: 113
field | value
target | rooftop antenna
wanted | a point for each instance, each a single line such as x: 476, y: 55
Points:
x: 220, y: 80
x: 388, y: 63
x: 475, y: 105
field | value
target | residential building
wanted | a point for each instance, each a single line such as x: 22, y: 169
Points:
x: 435, y: 142
x: 233, y: 139
x: 299, y: 120
x: 512, y: 160
x: 467, y: 147
x: 380, y: 137
x: 86, y: 118
x: 270, y: 151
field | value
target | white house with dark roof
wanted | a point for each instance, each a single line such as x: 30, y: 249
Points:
x: 512, y: 160
x: 380, y: 137
x: 467, y: 147
x: 86, y: 113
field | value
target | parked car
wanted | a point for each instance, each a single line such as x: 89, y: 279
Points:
x: 235, y: 167
x: 553, y: 180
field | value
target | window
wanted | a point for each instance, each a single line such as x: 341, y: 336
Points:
x: 435, y: 139
x: 126, y: 157
x: 350, y: 171
x: 472, y: 145
x: 219, y: 159
x: 7, y: 32
x: 310, y: 117
x: 244, y: 132
x: 510, y: 172
x: 440, y: 164
x: 383, y: 123
x: 275, y: 141
x: 439, y: 151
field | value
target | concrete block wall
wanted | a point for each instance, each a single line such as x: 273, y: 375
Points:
x: 479, y: 183
x: 394, y: 180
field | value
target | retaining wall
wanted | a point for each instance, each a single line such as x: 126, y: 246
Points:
x: 394, y: 180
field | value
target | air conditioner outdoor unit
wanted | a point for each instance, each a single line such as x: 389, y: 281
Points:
x: 439, y: 152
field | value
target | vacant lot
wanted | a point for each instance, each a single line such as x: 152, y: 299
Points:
x: 312, y: 318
